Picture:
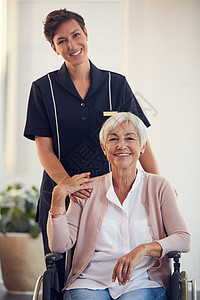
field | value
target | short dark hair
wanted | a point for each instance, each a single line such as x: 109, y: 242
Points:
x: 55, y: 19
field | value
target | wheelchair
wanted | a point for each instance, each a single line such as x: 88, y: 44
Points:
x: 47, y: 285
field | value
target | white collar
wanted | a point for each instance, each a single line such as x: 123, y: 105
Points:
x: 111, y: 195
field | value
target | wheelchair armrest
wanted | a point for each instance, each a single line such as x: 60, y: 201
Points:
x: 174, y: 254
x: 52, y: 258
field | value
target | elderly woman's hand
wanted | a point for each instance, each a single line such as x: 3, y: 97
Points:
x: 125, y: 265
x: 83, y: 193
x: 67, y: 186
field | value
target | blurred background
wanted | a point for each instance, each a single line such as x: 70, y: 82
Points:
x: 155, y: 44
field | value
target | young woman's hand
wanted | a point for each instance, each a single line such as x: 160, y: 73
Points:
x: 83, y: 193
x: 67, y: 186
x: 76, y: 183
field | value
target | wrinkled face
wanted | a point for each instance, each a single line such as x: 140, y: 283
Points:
x: 122, y: 146
x: 70, y: 41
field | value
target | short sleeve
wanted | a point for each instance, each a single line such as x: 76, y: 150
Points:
x: 37, y: 120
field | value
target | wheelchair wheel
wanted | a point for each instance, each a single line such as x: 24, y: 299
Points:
x: 37, y: 290
x: 184, y: 285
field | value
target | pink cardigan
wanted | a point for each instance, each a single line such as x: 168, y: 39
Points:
x: 82, y: 224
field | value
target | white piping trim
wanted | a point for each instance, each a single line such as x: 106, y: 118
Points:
x: 109, y: 91
x: 56, y: 118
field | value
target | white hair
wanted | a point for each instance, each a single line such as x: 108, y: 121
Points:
x: 117, y: 119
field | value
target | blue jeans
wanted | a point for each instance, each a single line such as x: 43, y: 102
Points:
x: 140, y: 294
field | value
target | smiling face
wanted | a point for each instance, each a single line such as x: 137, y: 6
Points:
x: 123, y: 147
x: 70, y: 41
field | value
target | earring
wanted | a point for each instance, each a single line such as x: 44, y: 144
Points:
x: 140, y: 152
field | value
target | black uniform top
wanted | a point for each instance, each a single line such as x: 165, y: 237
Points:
x: 56, y: 110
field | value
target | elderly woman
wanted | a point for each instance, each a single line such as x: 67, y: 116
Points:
x: 119, y: 231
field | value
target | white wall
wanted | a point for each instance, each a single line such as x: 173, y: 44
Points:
x: 156, y: 44
x: 164, y: 67
x: 3, y: 40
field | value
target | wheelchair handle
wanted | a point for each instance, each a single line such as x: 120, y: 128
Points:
x: 174, y: 254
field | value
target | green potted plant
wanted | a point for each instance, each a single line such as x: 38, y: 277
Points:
x: 21, y: 252
x: 18, y: 210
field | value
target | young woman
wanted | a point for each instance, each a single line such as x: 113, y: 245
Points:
x: 67, y: 108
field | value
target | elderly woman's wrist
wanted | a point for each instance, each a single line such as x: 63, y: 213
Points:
x: 59, y: 195
x: 153, y: 249
x: 58, y: 201
x: 57, y: 214
x: 144, y: 249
